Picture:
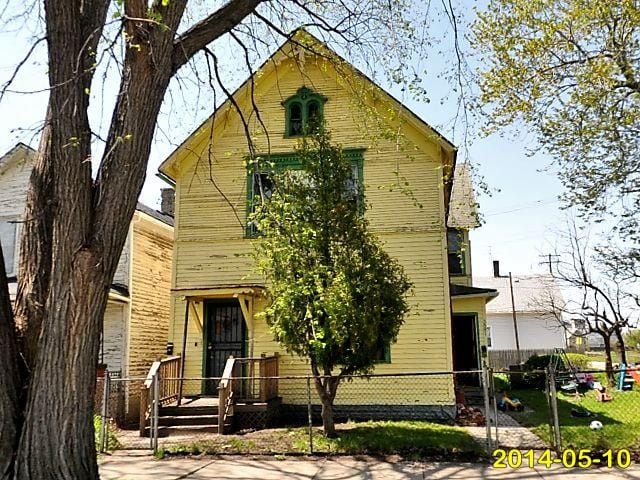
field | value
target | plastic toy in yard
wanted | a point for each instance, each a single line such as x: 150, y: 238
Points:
x: 601, y: 393
x: 511, y: 404
x: 626, y: 377
x: 596, y: 425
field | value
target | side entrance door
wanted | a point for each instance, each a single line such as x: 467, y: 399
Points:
x: 225, y: 332
x: 466, y: 348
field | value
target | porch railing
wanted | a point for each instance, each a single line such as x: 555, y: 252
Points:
x: 168, y: 390
x: 246, y: 379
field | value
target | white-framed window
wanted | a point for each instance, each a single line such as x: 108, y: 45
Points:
x: 489, y: 337
x: 9, y: 242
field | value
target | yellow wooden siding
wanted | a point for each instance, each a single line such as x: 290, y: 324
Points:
x: 210, y: 246
x: 150, y: 293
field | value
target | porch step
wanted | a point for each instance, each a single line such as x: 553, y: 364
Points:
x: 473, y: 395
x: 188, y: 411
x: 166, y: 431
x: 184, y: 420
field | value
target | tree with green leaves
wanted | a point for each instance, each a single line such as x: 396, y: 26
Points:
x: 632, y: 338
x: 336, y: 297
x: 570, y: 71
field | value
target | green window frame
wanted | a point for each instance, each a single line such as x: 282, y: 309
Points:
x: 302, y: 111
x: 290, y: 161
x: 384, y: 354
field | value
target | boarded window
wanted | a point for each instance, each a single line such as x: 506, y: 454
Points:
x: 8, y: 240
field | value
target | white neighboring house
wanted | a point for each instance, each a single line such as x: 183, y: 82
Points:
x: 536, y: 331
x: 137, y: 314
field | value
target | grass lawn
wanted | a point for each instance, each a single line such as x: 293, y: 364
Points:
x: 620, y: 417
x: 633, y: 356
x: 409, y: 439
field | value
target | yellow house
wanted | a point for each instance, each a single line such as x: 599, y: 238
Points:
x: 407, y: 170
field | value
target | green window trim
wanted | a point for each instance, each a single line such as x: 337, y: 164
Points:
x: 306, y: 99
x: 386, y: 355
x: 289, y: 161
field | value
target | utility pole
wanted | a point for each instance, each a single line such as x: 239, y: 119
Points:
x: 515, y: 319
x: 549, y: 261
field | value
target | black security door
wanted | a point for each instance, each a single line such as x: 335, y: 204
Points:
x: 225, y: 336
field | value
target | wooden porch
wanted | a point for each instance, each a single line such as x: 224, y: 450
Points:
x: 247, y: 398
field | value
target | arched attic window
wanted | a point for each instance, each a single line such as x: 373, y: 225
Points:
x: 295, y: 119
x: 303, y: 112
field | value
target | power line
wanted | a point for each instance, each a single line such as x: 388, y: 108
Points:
x: 537, y: 203
x: 551, y: 260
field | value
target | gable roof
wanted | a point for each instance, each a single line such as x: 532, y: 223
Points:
x: 157, y: 214
x: 463, y: 209
x: 315, y: 45
x: 19, y: 151
x: 28, y: 153
x: 528, y: 290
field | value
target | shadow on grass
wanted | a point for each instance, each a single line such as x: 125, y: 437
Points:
x: 407, y: 439
x: 386, y: 438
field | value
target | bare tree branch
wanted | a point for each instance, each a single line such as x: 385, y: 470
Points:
x: 211, y: 28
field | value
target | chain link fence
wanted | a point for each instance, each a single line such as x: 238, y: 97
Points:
x: 431, y: 411
x: 594, y: 410
x: 187, y: 413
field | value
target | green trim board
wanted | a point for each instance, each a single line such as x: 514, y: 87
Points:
x: 289, y: 161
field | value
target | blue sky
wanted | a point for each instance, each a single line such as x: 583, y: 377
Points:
x: 519, y: 216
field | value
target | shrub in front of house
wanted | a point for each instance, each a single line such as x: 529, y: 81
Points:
x: 579, y: 360
x: 531, y: 373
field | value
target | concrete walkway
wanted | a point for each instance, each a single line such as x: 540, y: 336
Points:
x: 510, y: 433
x: 127, y: 465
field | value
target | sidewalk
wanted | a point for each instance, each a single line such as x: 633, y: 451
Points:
x: 131, y: 465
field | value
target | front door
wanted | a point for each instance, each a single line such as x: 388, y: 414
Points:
x: 465, y: 348
x: 224, y: 336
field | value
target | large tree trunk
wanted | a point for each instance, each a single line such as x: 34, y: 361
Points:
x: 75, y: 227
x: 9, y: 382
x: 35, y: 263
x: 67, y: 328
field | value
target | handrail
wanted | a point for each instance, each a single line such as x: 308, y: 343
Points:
x: 225, y: 394
x: 168, y: 390
x: 240, y: 382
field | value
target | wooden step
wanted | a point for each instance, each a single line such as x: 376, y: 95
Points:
x: 175, y: 420
x: 185, y: 430
x: 188, y: 411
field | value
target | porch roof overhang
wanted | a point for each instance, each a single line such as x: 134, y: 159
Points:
x: 119, y: 293
x: 223, y: 291
x: 464, y: 291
